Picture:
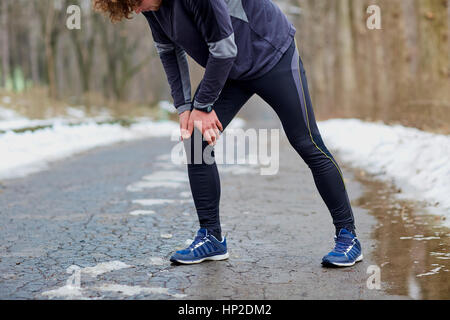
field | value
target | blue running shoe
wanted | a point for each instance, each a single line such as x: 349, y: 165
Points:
x: 204, y: 247
x: 346, y: 252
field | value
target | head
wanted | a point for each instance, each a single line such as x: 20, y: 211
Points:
x: 122, y: 9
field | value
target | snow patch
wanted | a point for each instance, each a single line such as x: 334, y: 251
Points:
x: 75, y: 112
x: 105, y: 267
x: 416, y: 161
x: 6, y: 100
x: 167, y: 106
x: 29, y: 152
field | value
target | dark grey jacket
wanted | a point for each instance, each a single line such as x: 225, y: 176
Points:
x: 232, y: 39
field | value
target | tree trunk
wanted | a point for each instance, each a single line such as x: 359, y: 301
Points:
x: 49, y: 51
x: 33, y: 34
x: 6, y: 73
x: 346, y: 58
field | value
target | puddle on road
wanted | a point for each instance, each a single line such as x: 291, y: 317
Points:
x: 413, y: 248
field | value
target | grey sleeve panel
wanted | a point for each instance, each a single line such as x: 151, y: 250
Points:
x: 164, y: 47
x: 183, y: 108
x: 177, y: 69
x: 236, y: 9
x: 184, y: 73
x: 199, y: 105
x: 224, y: 49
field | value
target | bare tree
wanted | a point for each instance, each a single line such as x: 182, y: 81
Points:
x: 119, y: 47
x: 84, y: 45
x: 5, y: 41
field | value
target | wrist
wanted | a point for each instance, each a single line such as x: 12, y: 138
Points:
x: 182, y: 109
x: 204, y: 107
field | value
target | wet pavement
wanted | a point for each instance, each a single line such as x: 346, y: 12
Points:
x: 103, y: 224
x: 413, y: 247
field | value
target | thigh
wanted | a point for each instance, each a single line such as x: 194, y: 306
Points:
x: 230, y: 101
x: 283, y: 89
x: 233, y: 96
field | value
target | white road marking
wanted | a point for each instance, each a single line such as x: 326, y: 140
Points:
x: 105, y: 267
x: 238, y: 169
x: 142, y: 212
x: 67, y: 291
x: 185, y: 194
x: 72, y: 288
x: 163, y: 157
x: 136, y: 290
x: 164, y: 165
x: 157, y: 261
x: 177, y: 176
x: 152, y: 202
x: 143, y: 185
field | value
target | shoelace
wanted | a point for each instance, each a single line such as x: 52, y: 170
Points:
x: 341, y: 245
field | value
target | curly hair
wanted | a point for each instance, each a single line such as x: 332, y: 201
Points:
x: 117, y: 9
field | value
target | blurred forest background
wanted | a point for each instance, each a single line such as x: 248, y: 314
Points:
x: 399, y: 74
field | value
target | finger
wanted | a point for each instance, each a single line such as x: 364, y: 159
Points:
x: 219, y: 125
x: 184, y: 127
x: 217, y: 131
x: 190, y: 128
x: 208, y: 137
x: 214, y: 135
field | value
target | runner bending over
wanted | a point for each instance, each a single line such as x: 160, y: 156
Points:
x: 247, y: 47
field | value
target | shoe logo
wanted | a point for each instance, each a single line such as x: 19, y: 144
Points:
x: 200, y: 244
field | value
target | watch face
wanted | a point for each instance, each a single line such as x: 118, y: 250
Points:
x: 207, y: 109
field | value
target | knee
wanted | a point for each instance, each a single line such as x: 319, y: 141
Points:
x: 198, y: 152
x: 303, y: 145
x: 313, y: 152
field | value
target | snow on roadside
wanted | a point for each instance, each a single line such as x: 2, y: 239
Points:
x: 416, y: 161
x: 11, y: 120
x: 24, y: 150
x: 31, y: 151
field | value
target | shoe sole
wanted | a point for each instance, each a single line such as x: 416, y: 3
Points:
x: 337, y: 264
x: 218, y: 257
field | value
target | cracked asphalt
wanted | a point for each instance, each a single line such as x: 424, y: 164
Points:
x: 77, y: 213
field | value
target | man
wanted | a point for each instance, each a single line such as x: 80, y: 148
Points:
x: 246, y: 47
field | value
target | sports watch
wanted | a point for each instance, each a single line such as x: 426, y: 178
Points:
x: 208, y: 108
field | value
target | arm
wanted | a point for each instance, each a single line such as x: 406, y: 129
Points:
x: 214, y: 23
x: 175, y: 64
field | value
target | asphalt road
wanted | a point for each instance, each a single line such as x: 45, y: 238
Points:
x: 79, y: 222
